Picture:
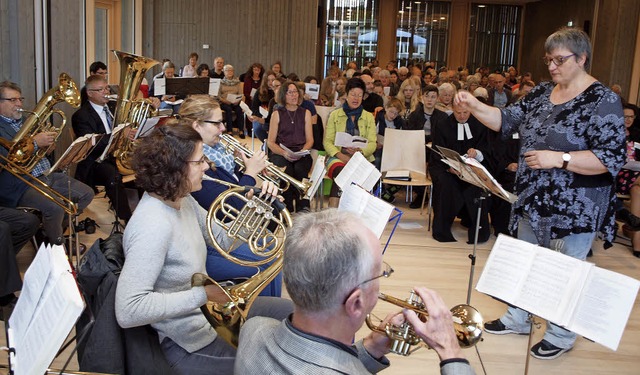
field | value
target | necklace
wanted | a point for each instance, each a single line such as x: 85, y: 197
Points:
x: 291, y: 117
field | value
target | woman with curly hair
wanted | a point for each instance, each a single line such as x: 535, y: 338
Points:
x: 164, y: 245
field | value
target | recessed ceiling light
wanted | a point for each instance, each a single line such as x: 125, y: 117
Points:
x: 443, y: 18
x: 481, y: 6
x: 435, y: 20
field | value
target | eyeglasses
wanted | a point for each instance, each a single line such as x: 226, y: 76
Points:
x: 630, y: 117
x: 203, y: 160
x: 14, y: 100
x: 355, y: 96
x: 106, y: 88
x: 292, y: 92
x: 386, y: 272
x: 558, y: 60
x: 216, y: 123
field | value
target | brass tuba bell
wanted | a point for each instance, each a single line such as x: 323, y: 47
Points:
x: 467, y: 322
x: 263, y: 228
x: 22, y: 153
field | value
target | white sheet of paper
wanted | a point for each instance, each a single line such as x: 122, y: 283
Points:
x: 344, y: 139
x: 312, y: 89
x: 359, y: 171
x: 245, y: 108
x: 387, y: 90
x: 214, y: 86
x: 253, y: 93
x: 317, y: 174
x: 159, y: 86
x: 234, y: 98
x: 373, y: 211
x: 263, y: 112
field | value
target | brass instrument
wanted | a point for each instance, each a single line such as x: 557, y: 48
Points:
x: 274, y: 173
x: 128, y: 108
x: 467, y: 322
x: 263, y: 228
x: 22, y: 152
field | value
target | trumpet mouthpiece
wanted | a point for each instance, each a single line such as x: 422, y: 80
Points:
x: 207, y: 178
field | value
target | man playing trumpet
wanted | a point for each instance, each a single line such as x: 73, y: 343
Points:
x: 14, y: 192
x: 332, y: 267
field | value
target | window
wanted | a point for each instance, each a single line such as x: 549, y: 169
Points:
x: 494, y: 34
x: 352, y: 32
x: 422, y: 34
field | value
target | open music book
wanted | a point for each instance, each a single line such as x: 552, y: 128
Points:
x: 48, y: 307
x: 76, y: 152
x: 471, y: 171
x: 317, y: 174
x: 359, y: 171
x: 116, y: 137
x: 344, y: 139
x: 588, y: 300
x: 373, y: 211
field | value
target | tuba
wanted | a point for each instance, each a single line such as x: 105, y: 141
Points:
x: 274, y: 174
x: 467, y: 323
x: 128, y: 108
x: 262, y: 224
x: 22, y: 152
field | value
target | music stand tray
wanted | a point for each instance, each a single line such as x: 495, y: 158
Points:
x: 187, y: 86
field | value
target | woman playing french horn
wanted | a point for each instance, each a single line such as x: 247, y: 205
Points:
x: 203, y: 114
x: 163, y: 253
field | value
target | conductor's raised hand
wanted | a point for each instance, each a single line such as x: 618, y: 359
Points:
x: 466, y: 100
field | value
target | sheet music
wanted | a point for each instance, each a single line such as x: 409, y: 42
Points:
x: 116, y: 135
x: 41, y: 321
x: 312, y: 89
x: 263, y: 112
x: 159, y: 86
x: 146, y: 127
x: 214, y: 86
x: 359, y: 171
x: 245, y: 108
x: 234, y: 98
x: 253, y: 93
x: 373, y: 211
x: 77, y: 151
x: 317, y: 174
x: 344, y: 139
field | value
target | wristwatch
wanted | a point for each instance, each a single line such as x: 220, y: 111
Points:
x: 566, y: 157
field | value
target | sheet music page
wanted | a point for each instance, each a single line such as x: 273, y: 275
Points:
x: 359, y: 171
x: 603, y: 310
x: 317, y: 174
x: 159, y: 86
x: 245, y: 108
x: 214, y: 86
x: 115, y: 136
x: 296, y: 153
x: 263, y: 112
x: 551, y: 288
x: 146, y: 127
x: 234, y: 98
x: 76, y: 151
x: 344, y: 139
x: 373, y: 211
x: 313, y: 90
x: 506, y: 268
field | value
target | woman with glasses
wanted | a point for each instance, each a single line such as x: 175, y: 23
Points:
x: 164, y: 245
x: 354, y: 120
x: 572, y: 146
x: 290, y: 137
x: 203, y: 114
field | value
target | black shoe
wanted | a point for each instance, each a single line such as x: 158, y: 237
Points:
x: 445, y: 238
x: 636, y: 253
x: 417, y: 203
x: 497, y: 328
x: 632, y: 221
x: 242, y: 136
x: 546, y: 350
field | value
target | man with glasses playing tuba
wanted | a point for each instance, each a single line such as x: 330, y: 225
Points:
x: 14, y: 192
x: 332, y: 267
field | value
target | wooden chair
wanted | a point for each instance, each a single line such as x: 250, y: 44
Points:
x: 404, y: 150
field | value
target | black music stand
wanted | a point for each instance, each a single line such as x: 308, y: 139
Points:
x: 181, y: 87
x: 75, y: 153
x: 115, y: 142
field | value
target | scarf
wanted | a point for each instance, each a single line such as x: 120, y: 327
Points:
x: 230, y: 82
x: 357, y: 112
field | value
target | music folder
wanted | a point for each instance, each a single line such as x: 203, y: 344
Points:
x: 76, y: 152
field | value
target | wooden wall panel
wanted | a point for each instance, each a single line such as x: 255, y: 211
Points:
x: 241, y: 32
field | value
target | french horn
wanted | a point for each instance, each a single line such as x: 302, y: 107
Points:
x: 467, y: 323
x: 262, y: 224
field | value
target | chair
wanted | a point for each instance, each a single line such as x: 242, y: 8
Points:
x: 404, y: 150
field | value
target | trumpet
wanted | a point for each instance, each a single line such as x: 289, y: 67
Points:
x: 467, y: 323
x: 275, y: 174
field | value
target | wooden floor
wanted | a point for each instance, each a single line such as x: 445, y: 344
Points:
x: 419, y: 260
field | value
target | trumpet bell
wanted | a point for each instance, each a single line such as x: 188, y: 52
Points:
x: 468, y: 324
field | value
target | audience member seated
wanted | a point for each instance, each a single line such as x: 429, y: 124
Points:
x: 170, y: 248
x: 446, y: 91
x: 409, y: 95
x: 354, y: 120
x: 218, y: 68
x: 93, y: 117
x: 276, y: 68
x: 100, y: 68
x: 327, y: 96
x: 332, y: 268
x: 14, y: 192
x: 16, y: 228
x: 341, y: 89
x: 252, y: 79
x: 499, y: 95
x: 168, y: 100
x: 202, y: 71
x: 291, y: 132
x: 462, y: 133
x: 371, y: 100
x: 389, y: 117
x: 261, y: 100
x: 230, y: 85
x: 189, y: 70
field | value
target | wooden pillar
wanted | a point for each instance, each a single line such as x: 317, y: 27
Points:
x: 387, y: 25
x: 458, y: 33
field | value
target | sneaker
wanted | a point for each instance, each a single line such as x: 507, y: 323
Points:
x: 546, y: 350
x: 497, y: 328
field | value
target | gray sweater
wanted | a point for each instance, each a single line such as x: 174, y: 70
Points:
x: 163, y: 248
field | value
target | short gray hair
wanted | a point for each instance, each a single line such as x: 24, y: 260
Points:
x: 227, y: 67
x: 325, y: 257
x: 575, y: 40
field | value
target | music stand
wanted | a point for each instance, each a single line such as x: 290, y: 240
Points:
x: 181, y: 87
x: 75, y: 153
x: 115, y: 142
x: 471, y: 171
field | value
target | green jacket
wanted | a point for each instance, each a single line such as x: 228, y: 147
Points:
x: 337, y: 122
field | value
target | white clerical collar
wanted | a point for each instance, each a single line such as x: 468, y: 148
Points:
x: 462, y: 130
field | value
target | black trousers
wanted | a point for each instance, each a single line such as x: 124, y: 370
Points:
x: 16, y: 228
x: 106, y: 173
x: 229, y: 109
x: 299, y: 170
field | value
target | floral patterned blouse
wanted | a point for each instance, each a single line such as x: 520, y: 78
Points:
x: 559, y: 202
